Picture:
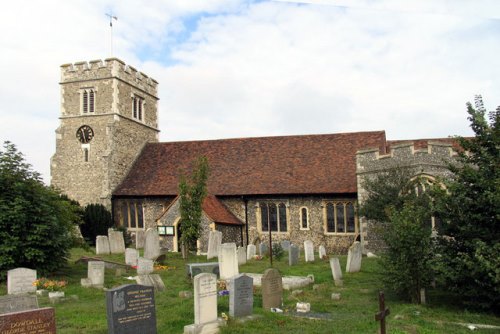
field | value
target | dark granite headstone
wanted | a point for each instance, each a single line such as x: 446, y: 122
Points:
x: 241, y: 296
x: 39, y: 321
x: 16, y: 303
x: 131, y: 309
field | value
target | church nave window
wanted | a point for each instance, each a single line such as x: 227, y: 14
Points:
x: 138, y: 108
x: 304, y: 219
x: 340, y: 217
x: 88, y: 97
x: 273, y: 216
x: 132, y: 215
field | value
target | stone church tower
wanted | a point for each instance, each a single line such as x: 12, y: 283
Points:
x: 109, y: 110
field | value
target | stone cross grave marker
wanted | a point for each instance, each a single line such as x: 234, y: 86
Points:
x: 151, y: 244
x: 335, y: 267
x: 139, y: 239
x: 250, y: 252
x: 272, y: 289
x: 131, y: 256
x: 241, y: 296
x: 214, y: 242
x: 39, y: 321
x: 95, y: 273
x: 20, y: 280
x: 293, y: 255
x: 242, y: 255
x: 228, y: 261
x: 205, y: 305
x: 322, y: 252
x: 16, y: 303
x: 102, y: 245
x: 144, y: 266
x: 383, y: 312
x: 354, y: 258
x: 116, y: 242
x: 309, y: 250
x: 130, y: 309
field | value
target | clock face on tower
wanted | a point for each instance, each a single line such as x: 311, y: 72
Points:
x: 84, y: 134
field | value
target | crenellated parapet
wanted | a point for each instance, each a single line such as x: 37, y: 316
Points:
x: 108, y: 68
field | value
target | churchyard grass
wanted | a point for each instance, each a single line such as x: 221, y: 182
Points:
x: 84, y: 309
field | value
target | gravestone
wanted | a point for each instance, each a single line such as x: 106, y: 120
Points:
x: 16, y: 303
x: 152, y: 244
x: 139, y: 239
x: 214, y: 242
x: 242, y: 255
x: 153, y: 280
x: 250, y: 252
x: 354, y: 258
x: 205, y: 305
x: 272, y: 289
x: 335, y: 267
x: 241, y: 296
x: 293, y: 255
x: 101, y: 245
x: 263, y: 249
x: 38, y: 321
x: 228, y: 261
x: 116, y: 242
x: 322, y: 252
x: 20, y: 280
x: 131, y: 255
x: 285, y: 244
x: 130, y: 309
x: 95, y: 273
x: 193, y: 269
x: 144, y: 266
x: 309, y: 250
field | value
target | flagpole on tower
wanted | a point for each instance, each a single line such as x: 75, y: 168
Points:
x: 111, y: 17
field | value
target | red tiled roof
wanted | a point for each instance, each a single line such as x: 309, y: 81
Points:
x: 309, y: 164
x: 218, y: 212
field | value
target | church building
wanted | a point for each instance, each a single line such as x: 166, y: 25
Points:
x: 296, y: 188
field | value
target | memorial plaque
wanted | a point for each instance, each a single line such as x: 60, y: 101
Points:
x: 39, y: 321
x: 16, y: 303
x: 309, y: 250
x: 95, y: 272
x: 20, y: 280
x: 293, y: 255
x: 205, y: 298
x: 241, y: 296
x: 272, y: 289
x: 131, y: 310
x: 250, y: 252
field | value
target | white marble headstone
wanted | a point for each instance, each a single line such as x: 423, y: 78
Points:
x: 354, y: 258
x: 95, y: 273
x: 20, y: 280
x: 116, y: 242
x: 131, y: 255
x: 335, y: 267
x: 322, y: 252
x: 250, y: 251
x: 205, y: 298
x: 144, y: 266
x: 242, y: 255
x: 228, y: 261
x: 102, y: 245
x: 309, y: 250
x: 152, y: 244
x: 214, y: 242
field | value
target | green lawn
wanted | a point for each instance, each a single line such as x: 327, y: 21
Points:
x: 85, y: 312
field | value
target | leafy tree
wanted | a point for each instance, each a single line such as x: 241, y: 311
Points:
x: 192, y: 192
x: 96, y: 221
x: 36, y: 223
x: 401, y: 217
x: 470, y: 212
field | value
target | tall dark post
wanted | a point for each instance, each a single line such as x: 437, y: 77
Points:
x: 270, y: 246
x: 383, y: 312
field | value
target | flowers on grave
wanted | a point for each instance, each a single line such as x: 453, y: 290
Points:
x: 223, y: 293
x: 257, y: 257
x: 224, y: 316
x: 163, y: 267
x: 222, y: 284
x: 49, y: 285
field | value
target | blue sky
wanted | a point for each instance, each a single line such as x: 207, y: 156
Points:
x: 231, y: 68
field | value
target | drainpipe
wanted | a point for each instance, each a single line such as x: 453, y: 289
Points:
x: 246, y: 218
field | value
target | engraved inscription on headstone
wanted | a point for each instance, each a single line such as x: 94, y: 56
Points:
x: 39, y: 321
x: 16, y: 303
x: 20, y: 280
x: 272, y: 289
x: 95, y: 273
x: 131, y: 310
x: 241, y: 296
x: 205, y: 298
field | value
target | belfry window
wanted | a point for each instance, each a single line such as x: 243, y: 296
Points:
x: 88, y: 97
x: 137, y: 108
x: 340, y: 217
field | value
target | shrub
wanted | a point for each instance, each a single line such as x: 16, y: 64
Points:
x: 278, y: 251
x: 96, y: 221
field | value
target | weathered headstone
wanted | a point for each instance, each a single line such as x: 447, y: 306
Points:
x: 272, y: 289
x: 285, y: 244
x: 335, y: 267
x: 152, y: 244
x: 38, y: 321
x: 16, y: 303
x: 95, y: 273
x: 153, y: 280
x: 131, y: 256
x: 214, y: 242
x: 205, y: 305
x: 322, y: 252
x: 144, y: 266
x: 228, y: 261
x: 250, y: 252
x: 193, y: 269
x: 139, y: 239
x: 20, y: 280
x: 354, y: 258
x: 116, y: 242
x: 309, y: 250
x: 242, y: 255
x: 263, y: 249
x: 241, y: 296
x: 102, y: 245
x: 293, y: 255
x: 131, y: 309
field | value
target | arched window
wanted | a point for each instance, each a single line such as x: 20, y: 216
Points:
x: 304, y: 219
x: 88, y: 100
x: 137, y: 108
